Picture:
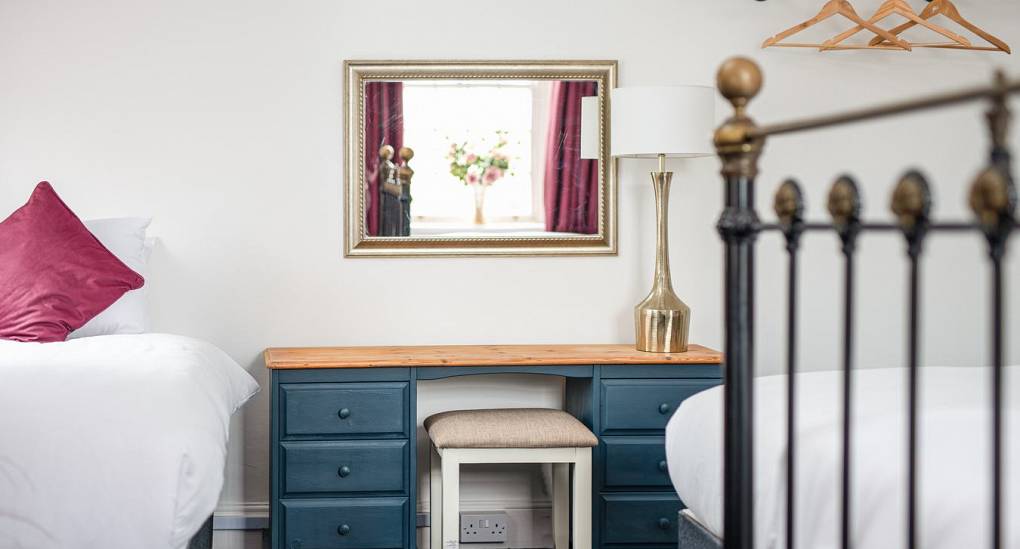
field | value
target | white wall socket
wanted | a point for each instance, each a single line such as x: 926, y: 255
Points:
x: 484, y: 527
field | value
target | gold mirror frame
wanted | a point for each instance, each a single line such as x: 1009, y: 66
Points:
x: 358, y: 244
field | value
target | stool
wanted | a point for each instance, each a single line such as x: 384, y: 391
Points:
x: 522, y: 435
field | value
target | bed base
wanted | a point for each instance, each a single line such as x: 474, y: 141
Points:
x: 691, y: 534
x: 993, y: 197
x: 203, y: 538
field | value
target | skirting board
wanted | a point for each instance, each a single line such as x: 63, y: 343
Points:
x: 534, y: 531
x: 241, y: 516
x: 255, y: 516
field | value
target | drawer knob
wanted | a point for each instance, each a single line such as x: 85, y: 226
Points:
x: 662, y: 466
x: 664, y: 523
x: 344, y: 413
x: 343, y: 530
x: 663, y: 408
x: 343, y: 471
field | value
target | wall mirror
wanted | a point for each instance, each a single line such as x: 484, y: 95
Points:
x: 448, y: 158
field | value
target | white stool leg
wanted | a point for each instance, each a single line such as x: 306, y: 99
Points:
x: 435, y: 499
x: 582, y: 499
x: 451, y: 500
x: 561, y: 505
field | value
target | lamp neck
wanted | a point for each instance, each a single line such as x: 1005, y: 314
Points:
x: 662, y: 162
x: 660, y: 182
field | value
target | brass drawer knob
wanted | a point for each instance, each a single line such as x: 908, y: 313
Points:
x: 662, y: 466
x: 343, y: 530
x: 343, y: 471
x: 344, y: 413
x: 664, y: 523
x: 663, y: 408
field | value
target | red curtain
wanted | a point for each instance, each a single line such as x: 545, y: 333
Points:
x: 571, y: 184
x: 384, y: 125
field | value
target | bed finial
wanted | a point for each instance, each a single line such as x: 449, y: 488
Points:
x: 406, y: 154
x: 911, y: 200
x: 789, y: 203
x: 993, y: 195
x: 844, y: 202
x: 739, y: 79
x: 999, y: 116
x: 404, y: 172
x: 991, y: 198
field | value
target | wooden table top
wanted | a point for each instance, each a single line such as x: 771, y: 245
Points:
x: 478, y: 355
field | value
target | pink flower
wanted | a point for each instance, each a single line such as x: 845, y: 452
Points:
x: 491, y: 175
x: 471, y: 158
x: 471, y: 178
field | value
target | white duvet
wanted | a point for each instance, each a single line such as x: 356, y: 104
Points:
x: 954, y: 452
x: 113, y: 441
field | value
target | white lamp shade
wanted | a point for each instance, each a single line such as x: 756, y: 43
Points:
x: 676, y: 121
x: 591, y: 142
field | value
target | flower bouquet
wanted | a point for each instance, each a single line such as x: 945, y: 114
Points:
x: 479, y: 170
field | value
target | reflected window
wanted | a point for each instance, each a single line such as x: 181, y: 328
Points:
x: 479, y: 154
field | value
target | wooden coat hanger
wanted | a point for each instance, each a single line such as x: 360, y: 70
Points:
x: 892, y: 7
x: 830, y: 9
x: 947, y: 9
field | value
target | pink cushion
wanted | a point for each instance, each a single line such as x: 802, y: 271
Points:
x: 54, y: 275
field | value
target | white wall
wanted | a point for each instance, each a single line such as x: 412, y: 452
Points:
x: 223, y: 121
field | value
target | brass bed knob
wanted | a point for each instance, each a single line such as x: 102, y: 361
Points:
x: 739, y: 80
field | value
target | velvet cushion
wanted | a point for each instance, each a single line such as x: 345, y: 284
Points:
x: 54, y: 274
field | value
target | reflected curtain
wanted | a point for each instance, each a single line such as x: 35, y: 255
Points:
x: 384, y: 125
x: 571, y: 183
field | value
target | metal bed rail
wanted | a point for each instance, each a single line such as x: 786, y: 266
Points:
x: 739, y: 142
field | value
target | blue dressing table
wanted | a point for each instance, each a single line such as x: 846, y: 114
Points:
x: 344, y: 429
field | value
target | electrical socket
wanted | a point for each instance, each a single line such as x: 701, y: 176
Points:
x: 484, y: 527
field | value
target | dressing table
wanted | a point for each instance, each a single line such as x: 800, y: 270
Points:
x: 344, y: 429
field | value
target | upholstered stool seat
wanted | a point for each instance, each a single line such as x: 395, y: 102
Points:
x: 517, y: 435
x: 510, y: 428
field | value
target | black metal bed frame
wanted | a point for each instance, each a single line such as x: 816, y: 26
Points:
x: 739, y: 142
x: 394, y: 194
x: 203, y: 538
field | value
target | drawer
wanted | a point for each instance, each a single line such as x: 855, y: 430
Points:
x: 371, y: 523
x: 645, y: 404
x: 635, y: 461
x: 351, y: 466
x: 640, y: 518
x: 344, y: 408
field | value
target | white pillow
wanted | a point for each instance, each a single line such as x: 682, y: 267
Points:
x: 125, y: 238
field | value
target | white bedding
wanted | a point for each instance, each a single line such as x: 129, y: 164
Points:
x: 113, y: 441
x: 954, y: 451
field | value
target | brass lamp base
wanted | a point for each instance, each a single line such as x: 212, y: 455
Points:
x: 662, y: 324
x: 662, y: 320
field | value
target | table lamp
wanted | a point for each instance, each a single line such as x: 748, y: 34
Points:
x: 662, y: 122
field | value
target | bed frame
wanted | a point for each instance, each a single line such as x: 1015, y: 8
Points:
x: 739, y: 143
x: 203, y: 538
x: 395, y: 192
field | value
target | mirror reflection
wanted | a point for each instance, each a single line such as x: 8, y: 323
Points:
x: 479, y: 157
